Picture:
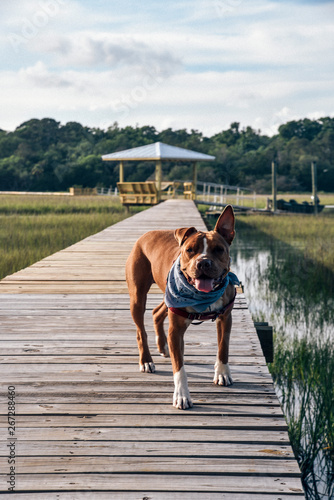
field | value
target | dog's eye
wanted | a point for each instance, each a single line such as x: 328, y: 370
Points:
x: 219, y: 250
x: 190, y: 250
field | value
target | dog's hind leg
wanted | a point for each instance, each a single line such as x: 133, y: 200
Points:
x: 159, y: 315
x: 139, y: 282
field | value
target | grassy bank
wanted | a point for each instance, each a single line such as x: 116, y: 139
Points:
x: 301, y: 284
x: 48, y: 204
x: 313, y: 236
x: 303, y: 370
x: 261, y: 199
x: 32, y: 227
x: 325, y: 198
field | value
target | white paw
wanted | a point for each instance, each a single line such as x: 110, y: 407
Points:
x: 181, y: 399
x: 222, y: 374
x: 147, y: 368
x: 165, y: 352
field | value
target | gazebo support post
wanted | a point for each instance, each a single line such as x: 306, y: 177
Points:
x: 121, y: 171
x: 158, y: 177
x: 194, y: 186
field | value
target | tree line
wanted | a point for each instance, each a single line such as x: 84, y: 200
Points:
x: 44, y: 155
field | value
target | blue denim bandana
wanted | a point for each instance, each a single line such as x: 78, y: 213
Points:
x: 179, y: 293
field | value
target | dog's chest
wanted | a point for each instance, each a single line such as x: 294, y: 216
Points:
x: 215, y: 307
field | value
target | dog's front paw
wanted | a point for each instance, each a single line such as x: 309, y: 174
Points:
x: 147, y: 367
x: 182, y: 402
x: 222, y: 374
x: 181, y: 399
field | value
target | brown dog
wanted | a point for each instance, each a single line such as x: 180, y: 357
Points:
x: 197, y: 266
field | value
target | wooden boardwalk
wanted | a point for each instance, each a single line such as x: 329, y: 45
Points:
x: 88, y: 424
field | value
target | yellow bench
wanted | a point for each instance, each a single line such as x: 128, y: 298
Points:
x: 138, y: 193
x: 188, y: 190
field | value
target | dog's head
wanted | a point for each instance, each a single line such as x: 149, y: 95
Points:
x: 205, y: 257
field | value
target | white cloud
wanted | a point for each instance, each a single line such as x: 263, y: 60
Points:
x: 193, y: 64
x: 38, y: 76
x: 103, y: 50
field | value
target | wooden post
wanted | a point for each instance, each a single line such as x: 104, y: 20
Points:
x: 265, y: 334
x: 274, y: 186
x: 194, y: 187
x: 158, y: 177
x: 121, y: 171
x: 314, y: 187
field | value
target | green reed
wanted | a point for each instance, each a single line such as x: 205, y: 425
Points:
x: 33, y: 227
x: 301, y: 274
x: 325, y: 198
x: 298, y: 291
x: 313, y: 236
x: 45, y: 204
x: 303, y: 370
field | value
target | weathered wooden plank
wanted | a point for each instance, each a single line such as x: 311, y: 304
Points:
x: 114, y: 329
x: 66, y: 287
x: 23, y: 351
x: 266, y: 437
x: 83, y: 302
x: 120, y: 320
x: 140, y: 394
x: 114, y: 358
x: 145, y: 387
x: 158, y: 482
x: 142, y: 464
x: 130, y: 367
x: 104, y: 332
x: 227, y: 450
x: 138, y: 407
x: 113, y: 373
x: 69, y: 274
x: 66, y: 404
x: 172, y: 419
x: 158, y: 495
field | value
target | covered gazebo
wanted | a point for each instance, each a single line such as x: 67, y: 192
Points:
x: 157, y: 152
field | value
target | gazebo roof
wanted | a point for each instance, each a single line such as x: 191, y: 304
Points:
x: 157, y: 151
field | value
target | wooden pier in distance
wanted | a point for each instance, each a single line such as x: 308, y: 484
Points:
x: 88, y: 424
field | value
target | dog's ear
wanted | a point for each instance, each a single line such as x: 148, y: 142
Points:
x: 183, y: 233
x: 225, y: 224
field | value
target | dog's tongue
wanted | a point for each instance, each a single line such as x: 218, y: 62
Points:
x: 204, y: 284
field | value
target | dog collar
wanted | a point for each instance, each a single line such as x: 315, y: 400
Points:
x: 203, y: 316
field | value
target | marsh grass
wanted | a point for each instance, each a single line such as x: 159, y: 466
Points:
x: 33, y: 227
x: 46, y: 204
x: 313, y: 236
x: 303, y: 370
x: 302, y: 274
x: 325, y: 198
x: 261, y: 199
x: 298, y: 299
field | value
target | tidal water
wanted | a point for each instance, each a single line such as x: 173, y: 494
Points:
x: 282, y: 287
x: 295, y: 296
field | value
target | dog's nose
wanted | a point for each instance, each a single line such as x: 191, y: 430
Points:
x: 204, y: 264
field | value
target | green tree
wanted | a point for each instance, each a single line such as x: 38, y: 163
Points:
x: 45, y: 155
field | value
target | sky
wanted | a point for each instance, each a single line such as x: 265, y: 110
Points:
x: 197, y: 65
